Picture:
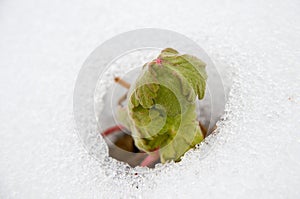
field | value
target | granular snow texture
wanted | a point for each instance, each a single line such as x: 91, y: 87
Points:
x: 256, y: 152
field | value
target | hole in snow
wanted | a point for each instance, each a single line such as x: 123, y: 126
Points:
x: 108, y: 94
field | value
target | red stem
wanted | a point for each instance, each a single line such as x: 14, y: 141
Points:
x: 150, y: 159
x: 112, y: 130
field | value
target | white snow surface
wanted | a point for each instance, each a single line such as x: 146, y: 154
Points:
x: 256, y: 152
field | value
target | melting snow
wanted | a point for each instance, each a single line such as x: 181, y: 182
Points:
x: 255, y: 152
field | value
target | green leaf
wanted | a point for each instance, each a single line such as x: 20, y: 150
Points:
x: 161, y: 111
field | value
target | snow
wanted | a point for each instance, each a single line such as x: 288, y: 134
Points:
x: 255, y: 152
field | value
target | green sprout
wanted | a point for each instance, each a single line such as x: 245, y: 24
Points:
x: 161, y: 109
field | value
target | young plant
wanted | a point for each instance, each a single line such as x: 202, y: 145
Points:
x: 161, y: 108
